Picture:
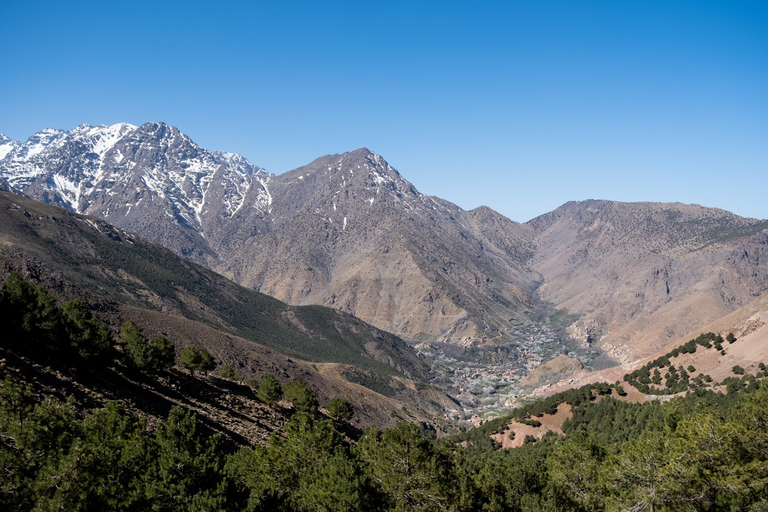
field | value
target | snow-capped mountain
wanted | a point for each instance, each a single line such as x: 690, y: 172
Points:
x: 346, y: 230
x: 151, y: 179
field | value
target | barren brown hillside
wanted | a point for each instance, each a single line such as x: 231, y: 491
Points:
x: 642, y: 275
x: 349, y: 232
x: 749, y: 324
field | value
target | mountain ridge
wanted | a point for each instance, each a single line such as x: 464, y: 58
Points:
x: 348, y: 231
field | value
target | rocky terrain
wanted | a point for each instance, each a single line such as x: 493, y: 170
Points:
x: 643, y: 275
x: 346, y: 231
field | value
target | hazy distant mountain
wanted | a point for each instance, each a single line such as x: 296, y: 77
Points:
x: 348, y: 231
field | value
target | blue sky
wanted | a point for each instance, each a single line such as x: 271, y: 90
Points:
x: 520, y: 106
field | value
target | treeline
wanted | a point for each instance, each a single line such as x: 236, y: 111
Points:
x: 480, y: 437
x: 662, y: 377
x: 34, y: 323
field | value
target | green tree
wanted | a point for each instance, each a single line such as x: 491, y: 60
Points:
x: 148, y: 358
x: 340, y: 410
x: 730, y: 338
x: 508, y: 480
x: 188, y: 466
x: 270, y: 391
x: 301, y: 396
x: 88, y: 337
x: 412, y: 471
x: 30, y: 310
x: 207, y: 362
x: 164, y: 352
x: 190, y: 358
x: 228, y: 372
x: 135, y: 345
x: 33, y: 438
x: 104, y: 467
x: 307, y: 470
x: 649, y: 473
x: 730, y: 455
x: 574, y: 467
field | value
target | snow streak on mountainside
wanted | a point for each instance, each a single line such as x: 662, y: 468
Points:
x: 151, y: 179
x: 348, y: 231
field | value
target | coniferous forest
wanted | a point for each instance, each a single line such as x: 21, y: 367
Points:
x: 704, y: 451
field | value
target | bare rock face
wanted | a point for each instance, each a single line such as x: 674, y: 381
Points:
x: 644, y: 274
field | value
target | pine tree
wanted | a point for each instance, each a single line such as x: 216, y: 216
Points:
x: 301, y: 396
x: 228, y: 372
x: 191, y: 358
x: 89, y: 338
x: 270, y: 391
x: 339, y: 409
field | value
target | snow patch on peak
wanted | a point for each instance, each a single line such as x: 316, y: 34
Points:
x: 103, y: 138
x: 238, y: 162
x: 7, y: 146
x: 42, y: 140
x: 379, y: 179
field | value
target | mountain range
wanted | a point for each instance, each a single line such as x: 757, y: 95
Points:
x: 349, y: 232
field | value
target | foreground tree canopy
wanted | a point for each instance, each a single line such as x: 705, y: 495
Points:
x: 706, y: 451
x: 688, y: 456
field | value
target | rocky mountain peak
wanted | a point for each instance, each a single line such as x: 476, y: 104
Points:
x: 7, y: 146
x: 152, y: 179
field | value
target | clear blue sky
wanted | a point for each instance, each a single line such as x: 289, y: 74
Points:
x: 520, y: 106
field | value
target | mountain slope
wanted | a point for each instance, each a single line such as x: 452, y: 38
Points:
x: 347, y: 231
x: 642, y: 275
x: 79, y: 256
x: 152, y: 180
